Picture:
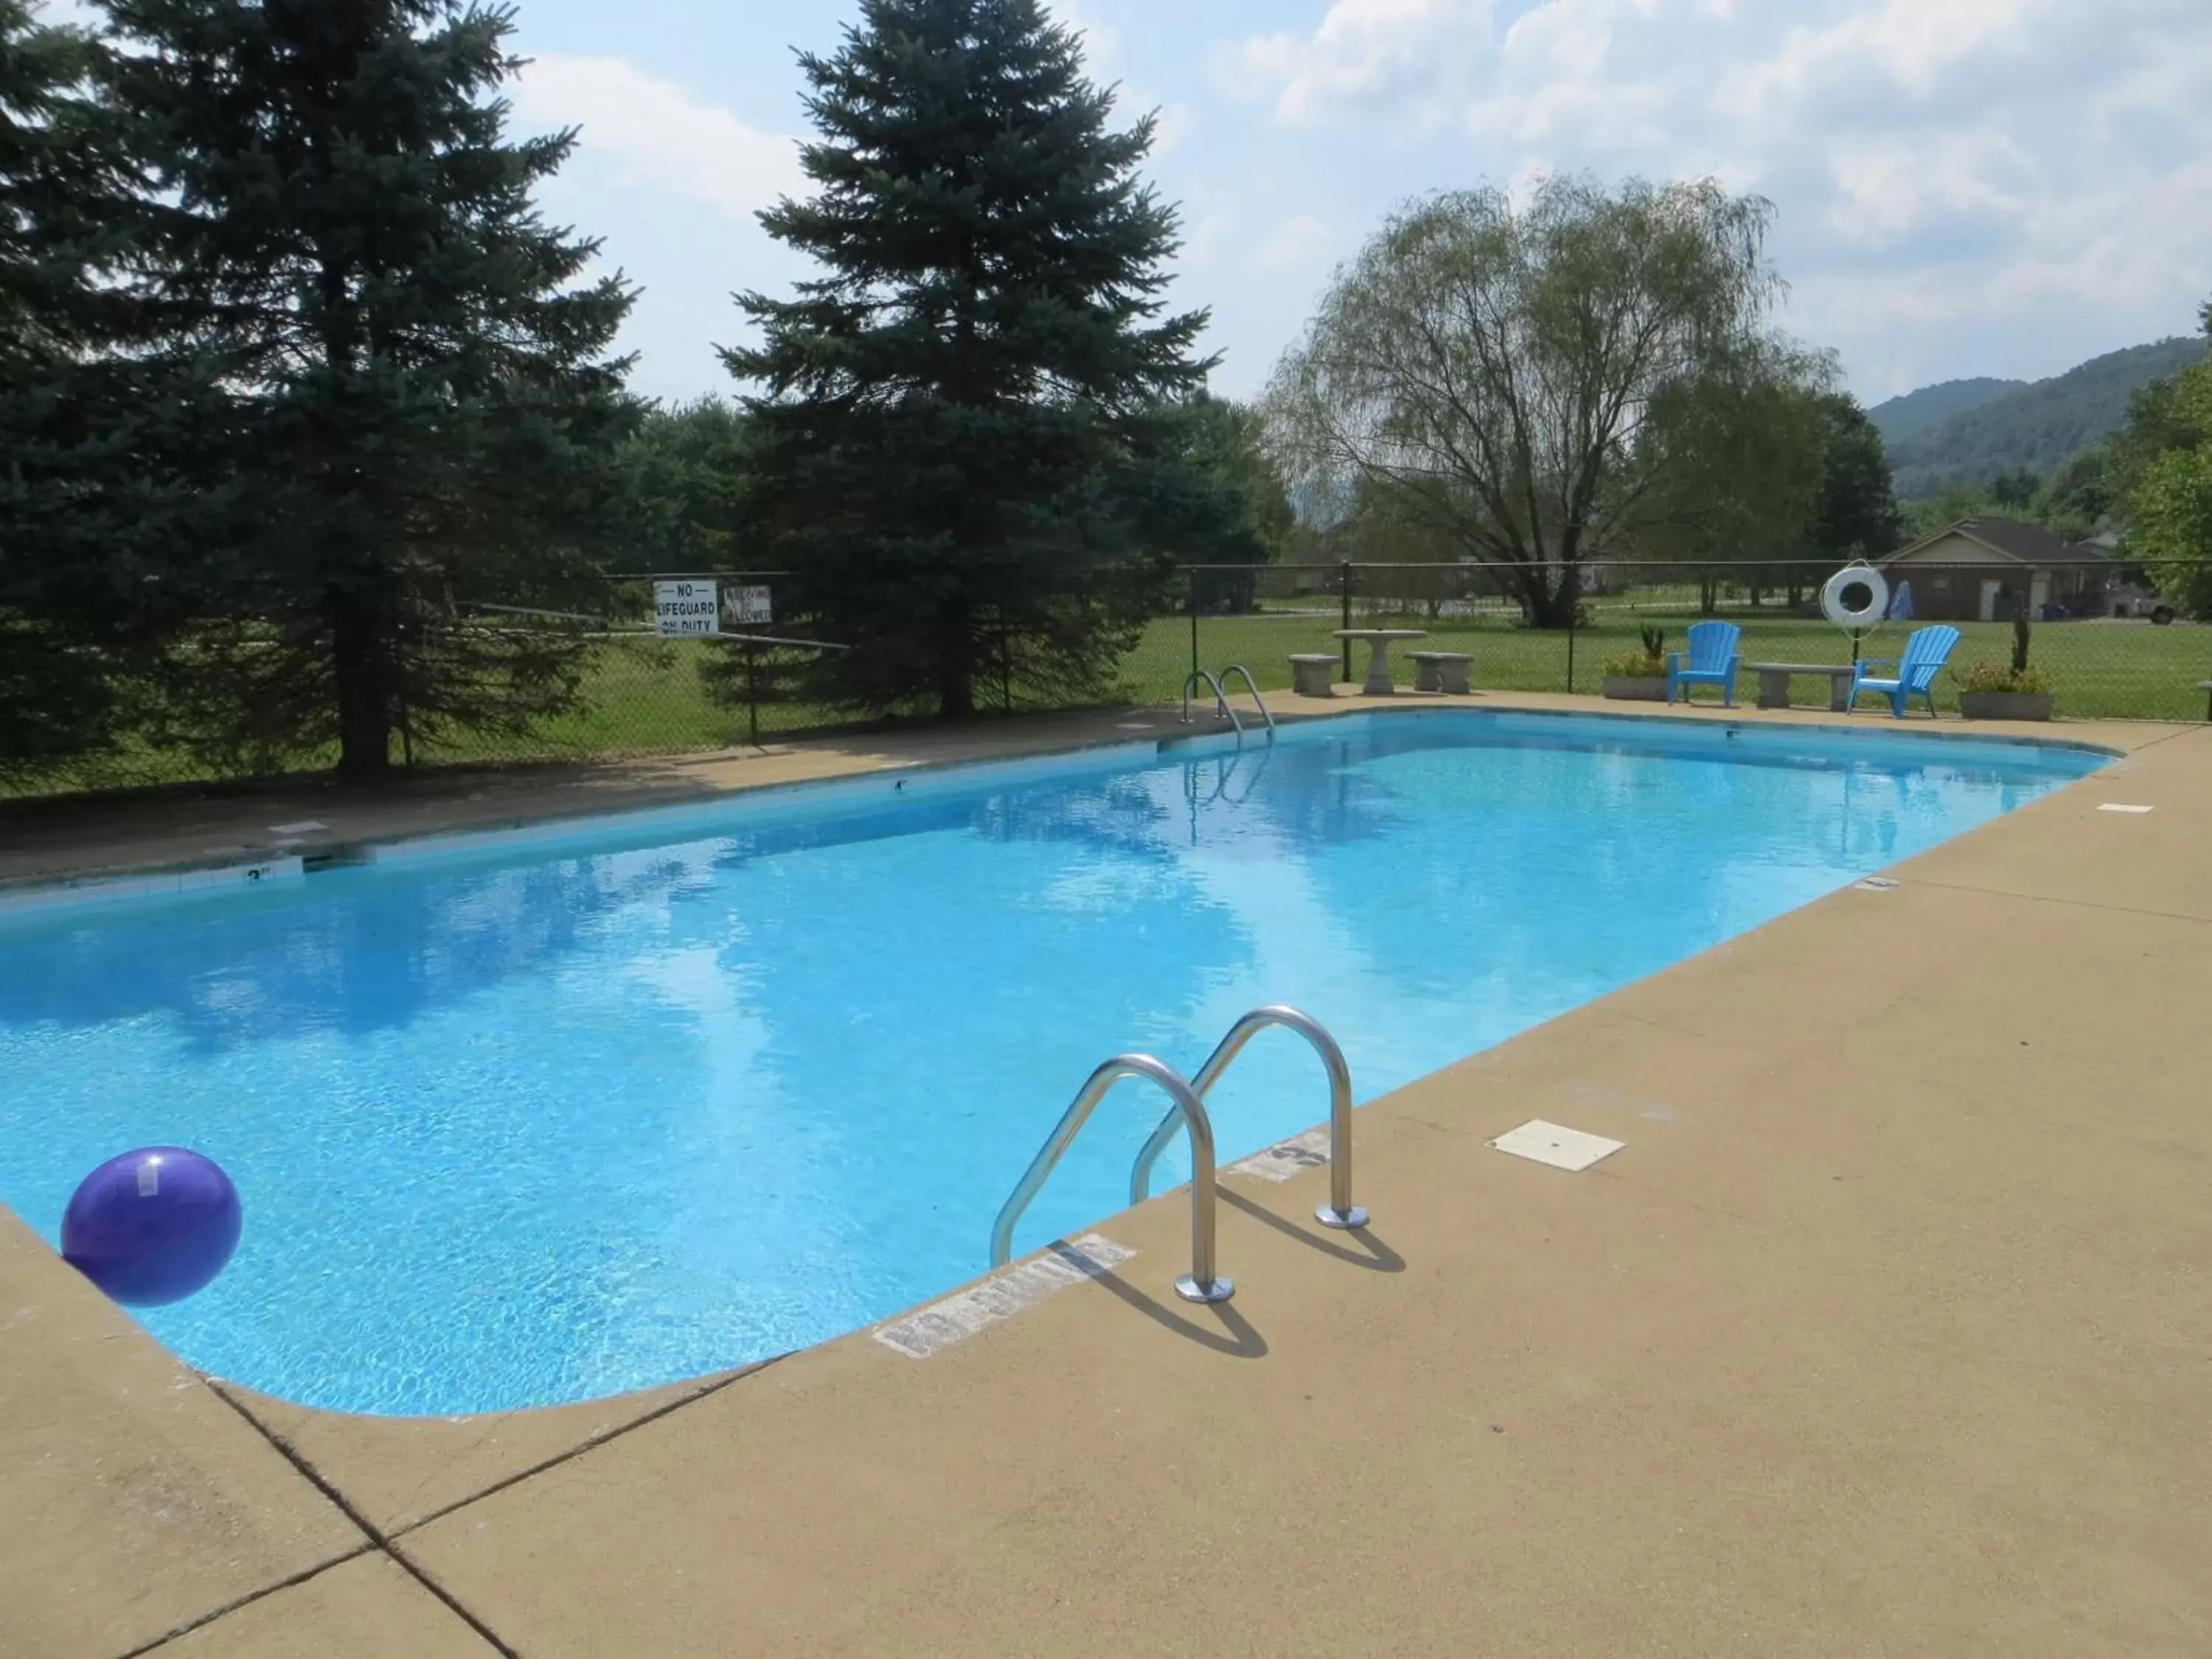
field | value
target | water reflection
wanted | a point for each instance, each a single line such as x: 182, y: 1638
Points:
x: 532, y: 1127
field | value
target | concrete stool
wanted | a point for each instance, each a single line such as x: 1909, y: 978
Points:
x: 1443, y: 670
x: 1313, y: 676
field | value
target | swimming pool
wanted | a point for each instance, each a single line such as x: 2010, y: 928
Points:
x: 539, y: 1117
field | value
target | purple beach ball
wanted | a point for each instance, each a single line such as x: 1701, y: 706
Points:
x: 153, y: 1225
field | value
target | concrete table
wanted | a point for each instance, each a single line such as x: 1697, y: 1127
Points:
x: 1774, y: 681
x: 1379, y: 683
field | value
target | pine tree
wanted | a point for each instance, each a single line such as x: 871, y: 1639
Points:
x: 417, y: 407
x: 71, y: 605
x: 962, y: 443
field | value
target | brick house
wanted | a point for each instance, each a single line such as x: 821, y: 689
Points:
x: 1983, y: 569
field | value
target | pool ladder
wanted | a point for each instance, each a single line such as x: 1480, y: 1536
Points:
x: 1187, y: 1113
x: 1221, y: 696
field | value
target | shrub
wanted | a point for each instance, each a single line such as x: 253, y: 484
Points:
x: 1649, y: 663
x: 2001, y: 677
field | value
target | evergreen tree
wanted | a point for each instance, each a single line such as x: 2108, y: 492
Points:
x: 1735, y: 454
x: 416, y: 407
x: 73, y: 600
x: 685, y: 469
x: 1240, y: 505
x: 1855, y: 515
x: 964, y: 439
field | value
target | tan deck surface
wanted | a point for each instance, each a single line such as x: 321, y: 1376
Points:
x: 1887, y: 1332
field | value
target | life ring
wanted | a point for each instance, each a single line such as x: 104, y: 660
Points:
x: 1839, y: 610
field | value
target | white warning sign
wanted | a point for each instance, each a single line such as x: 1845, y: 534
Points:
x: 684, y: 610
x: 746, y: 606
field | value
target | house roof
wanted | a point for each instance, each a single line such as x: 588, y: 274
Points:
x: 2010, y: 540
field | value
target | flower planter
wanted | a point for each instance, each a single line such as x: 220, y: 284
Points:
x: 2005, y: 705
x: 1636, y: 688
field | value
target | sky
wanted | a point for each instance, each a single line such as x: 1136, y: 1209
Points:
x: 1963, y: 187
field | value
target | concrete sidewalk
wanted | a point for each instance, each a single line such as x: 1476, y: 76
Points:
x: 1887, y: 1333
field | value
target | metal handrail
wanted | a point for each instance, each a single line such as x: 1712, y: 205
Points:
x: 1220, y: 700
x: 1201, y: 1284
x: 1339, y: 1211
x: 1239, y: 668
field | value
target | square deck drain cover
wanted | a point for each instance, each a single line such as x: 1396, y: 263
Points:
x: 1561, y: 1148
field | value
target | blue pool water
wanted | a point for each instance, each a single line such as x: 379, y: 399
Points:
x: 529, y: 1119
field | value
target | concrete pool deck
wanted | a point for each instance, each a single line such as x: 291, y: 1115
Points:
x: 1886, y: 1331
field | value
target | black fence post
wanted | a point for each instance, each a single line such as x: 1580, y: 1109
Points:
x: 1191, y: 575
x: 1574, y: 620
x: 399, y: 708
x: 1344, y: 588
x: 752, y: 691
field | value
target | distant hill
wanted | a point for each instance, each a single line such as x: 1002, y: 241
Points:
x: 1915, y: 411
x: 2036, y: 426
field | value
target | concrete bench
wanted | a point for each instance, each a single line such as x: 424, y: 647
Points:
x: 1446, y: 671
x: 1313, y: 675
x: 2205, y: 686
x: 1774, y: 681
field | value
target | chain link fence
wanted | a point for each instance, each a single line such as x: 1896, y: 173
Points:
x: 2108, y: 647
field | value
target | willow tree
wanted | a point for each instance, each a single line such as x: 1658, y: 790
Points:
x: 966, y: 439
x: 1492, y: 365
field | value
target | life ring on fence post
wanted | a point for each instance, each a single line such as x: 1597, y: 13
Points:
x: 1855, y: 619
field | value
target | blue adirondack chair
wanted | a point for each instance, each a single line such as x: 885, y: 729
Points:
x: 1711, y: 661
x: 1925, y: 653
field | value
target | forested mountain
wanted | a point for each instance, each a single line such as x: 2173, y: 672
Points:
x: 1915, y: 411
x: 2036, y: 428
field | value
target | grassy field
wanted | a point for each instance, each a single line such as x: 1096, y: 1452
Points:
x: 640, y: 698
x: 2118, y: 669
x: 646, y: 696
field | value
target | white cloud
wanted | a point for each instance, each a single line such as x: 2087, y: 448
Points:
x: 1176, y: 123
x: 1204, y: 242
x: 1300, y: 242
x: 657, y: 134
x: 1948, y: 170
x: 1101, y: 45
x: 1365, y: 54
x: 1913, y: 43
x: 1890, y: 186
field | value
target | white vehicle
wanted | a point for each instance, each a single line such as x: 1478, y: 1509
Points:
x: 2126, y: 599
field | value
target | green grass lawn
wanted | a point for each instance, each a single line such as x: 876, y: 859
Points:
x: 640, y: 698
x: 2121, y: 670
x: 646, y: 696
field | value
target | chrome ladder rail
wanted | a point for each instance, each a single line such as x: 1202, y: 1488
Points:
x: 1236, y: 668
x: 1202, y: 1283
x: 1220, y: 700
x: 1340, y: 1212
